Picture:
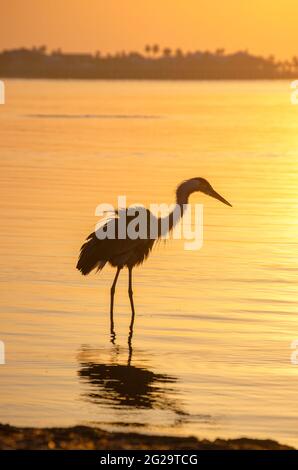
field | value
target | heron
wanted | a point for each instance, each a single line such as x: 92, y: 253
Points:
x: 126, y: 252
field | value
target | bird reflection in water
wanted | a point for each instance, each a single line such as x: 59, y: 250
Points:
x: 125, y: 385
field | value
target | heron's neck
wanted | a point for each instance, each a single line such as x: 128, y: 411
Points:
x: 182, y: 194
x: 166, y: 224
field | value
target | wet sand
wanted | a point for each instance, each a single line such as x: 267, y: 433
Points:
x: 87, y: 438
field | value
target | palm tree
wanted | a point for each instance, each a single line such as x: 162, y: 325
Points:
x: 167, y: 52
x: 148, y: 49
x: 220, y: 52
x: 287, y: 66
x: 42, y: 49
x: 155, y: 49
x: 295, y: 63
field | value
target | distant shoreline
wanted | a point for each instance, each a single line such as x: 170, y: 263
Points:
x: 4, y: 77
x: 154, y: 65
x: 89, y: 438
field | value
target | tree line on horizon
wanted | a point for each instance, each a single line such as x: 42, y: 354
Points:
x: 154, y: 63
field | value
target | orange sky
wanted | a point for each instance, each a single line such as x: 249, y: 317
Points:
x: 262, y: 26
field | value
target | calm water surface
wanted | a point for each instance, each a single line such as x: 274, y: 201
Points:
x: 211, y: 348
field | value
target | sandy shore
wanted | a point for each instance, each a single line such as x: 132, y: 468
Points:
x: 83, y: 437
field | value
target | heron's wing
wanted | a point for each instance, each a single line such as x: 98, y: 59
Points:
x: 105, y: 244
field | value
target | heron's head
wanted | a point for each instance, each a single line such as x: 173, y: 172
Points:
x: 200, y: 185
x: 205, y: 187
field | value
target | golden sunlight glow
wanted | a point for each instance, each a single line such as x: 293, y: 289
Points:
x: 262, y: 26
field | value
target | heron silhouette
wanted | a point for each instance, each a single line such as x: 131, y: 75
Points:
x: 129, y: 252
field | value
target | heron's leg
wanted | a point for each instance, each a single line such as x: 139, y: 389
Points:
x: 113, y: 335
x: 130, y: 293
x: 130, y: 349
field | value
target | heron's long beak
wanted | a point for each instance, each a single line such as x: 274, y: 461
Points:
x: 219, y: 197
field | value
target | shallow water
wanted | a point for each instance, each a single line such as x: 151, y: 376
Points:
x: 210, y: 355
